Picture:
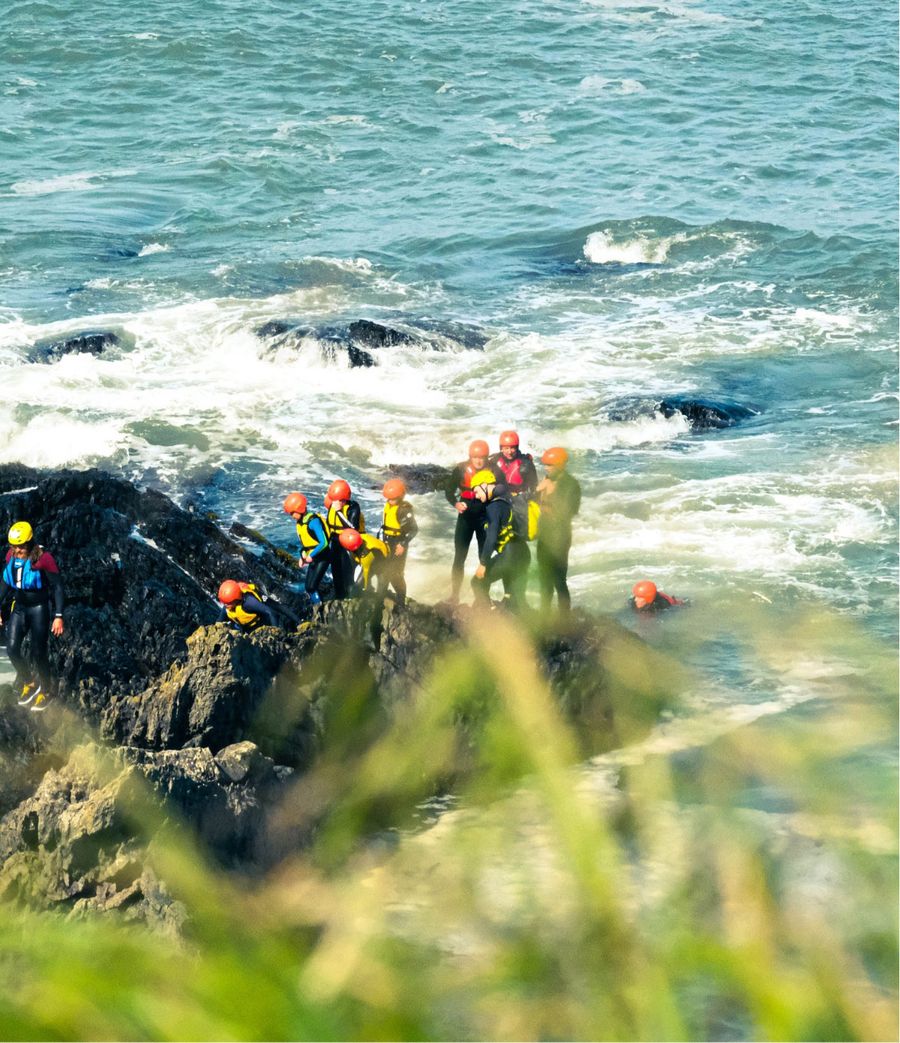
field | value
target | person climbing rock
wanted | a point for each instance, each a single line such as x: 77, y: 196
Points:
x: 398, y: 527
x: 343, y: 513
x: 519, y: 472
x: 315, y: 547
x: 505, y: 554
x: 370, y: 553
x: 244, y: 608
x: 559, y: 496
x: 647, y: 597
x: 471, y: 518
x: 31, y: 580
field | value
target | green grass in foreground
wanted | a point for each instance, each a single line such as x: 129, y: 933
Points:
x: 660, y: 907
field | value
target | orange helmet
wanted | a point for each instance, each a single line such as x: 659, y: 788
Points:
x: 295, y: 504
x: 229, y: 592
x: 555, y: 457
x: 339, y: 490
x: 645, y: 590
x: 350, y: 539
x: 509, y: 438
x: 479, y: 448
x: 394, y: 489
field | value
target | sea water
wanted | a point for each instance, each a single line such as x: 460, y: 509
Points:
x: 632, y: 199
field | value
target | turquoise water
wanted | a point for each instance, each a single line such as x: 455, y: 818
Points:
x: 632, y: 198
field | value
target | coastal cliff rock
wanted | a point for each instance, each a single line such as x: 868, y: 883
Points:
x: 92, y: 342
x: 703, y: 414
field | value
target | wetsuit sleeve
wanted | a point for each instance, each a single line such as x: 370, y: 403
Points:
x: 317, y: 528
x: 408, y: 525
x: 5, y: 591
x: 452, y: 486
x: 251, y: 603
x: 529, y: 476
x: 496, y: 517
x: 352, y: 514
x: 50, y: 570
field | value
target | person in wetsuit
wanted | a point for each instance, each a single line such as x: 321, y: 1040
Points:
x: 315, y: 547
x: 398, y: 527
x: 31, y: 580
x: 243, y: 607
x: 343, y: 513
x: 647, y: 597
x: 470, y: 518
x: 504, y: 554
x: 559, y: 496
x: 517, y: 468
x: 372, y: 556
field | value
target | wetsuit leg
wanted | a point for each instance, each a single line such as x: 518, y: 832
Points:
x: 315, y: 573
x: 394, y: 573
x: 515, y: 579
x: 468, y: 523
x: 342, y: 568
x: 553, y: 568
x: 545, y: 575
x: 16, y: 628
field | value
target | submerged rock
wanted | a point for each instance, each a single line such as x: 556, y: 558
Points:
x: 703, y: 414
x: 93, y: 342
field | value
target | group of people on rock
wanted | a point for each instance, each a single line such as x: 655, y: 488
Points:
x: 498, y: 499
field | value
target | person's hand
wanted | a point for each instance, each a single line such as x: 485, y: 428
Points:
x: 400, y: 550
x: 543, y: 485
x: 57, y: 627
x: 480, y: 571
x: 461, y: 505
x: 305, y: 559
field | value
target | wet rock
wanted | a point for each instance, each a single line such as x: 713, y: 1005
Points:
x: 420, y: 478
x: 94, y: 342
x: 703, y: 414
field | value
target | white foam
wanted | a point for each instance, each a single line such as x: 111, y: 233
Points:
x: 600, y: 248
x: 823, y: 319
x: 79, y: 182
x: 153, y: 248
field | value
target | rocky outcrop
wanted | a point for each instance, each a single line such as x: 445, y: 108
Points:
x: 91, y: 342
x: 703, y: 414
x: 359, y: 341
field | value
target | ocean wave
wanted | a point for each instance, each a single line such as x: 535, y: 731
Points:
x: 80, y: 182
x: 600, y: 248
x: 154, y: 248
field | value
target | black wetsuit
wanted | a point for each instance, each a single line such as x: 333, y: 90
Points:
x: 398, y: 527
x: 521, y: 480
x: 558, y: 507
x: 31, y: 614
x: 342, y: 565
x: 505, y: 555
x: 470, y: 522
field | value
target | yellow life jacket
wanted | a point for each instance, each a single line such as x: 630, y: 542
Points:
x: 371, y: 551
x: 534, y: 518
x: 307, y: 540
x: 337, y: 521
x: 391, y: 525
x: 237, y: 613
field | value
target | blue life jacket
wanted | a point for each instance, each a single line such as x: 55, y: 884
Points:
x: 21, y: 574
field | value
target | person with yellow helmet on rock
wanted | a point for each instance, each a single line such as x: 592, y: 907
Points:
x: 559, y: 495
x: 315, y: 547
x: 370, y: 553
x: 398, y: 527
x: 471, y: 519
x: 343, y: 513
x: 505, y: 553
x: 32, y: 581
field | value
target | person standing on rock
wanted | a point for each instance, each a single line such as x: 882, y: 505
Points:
x: 398, y: 527
x: 559, y: 495
x: 343, y: 513
x: 31, y: 579
x: 243, y: 607
x: 370, y: 553
x: 470, y: 518
x: 315, y: 548
x: 505, y: 554
x: 521, y: 477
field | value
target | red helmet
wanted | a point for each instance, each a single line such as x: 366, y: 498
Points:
x: 229, y: 592
x: 509, y: 438
x: 394, y: 489
x: 339, y: 490
x: 479, y: 448
x: 645, y: 590
x: 555, y: 457
x: 295, y: 504
x: 350, y: 539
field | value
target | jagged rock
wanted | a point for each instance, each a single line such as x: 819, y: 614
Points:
x: 703, y: 414
x: 420, y: 478
x: 358, y: 339
x: 94, y: 342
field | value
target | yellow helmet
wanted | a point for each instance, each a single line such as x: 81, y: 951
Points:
x: 20, y: 534
x: 483, y: 477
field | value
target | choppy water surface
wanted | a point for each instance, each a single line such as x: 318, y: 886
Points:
x: 632, y: 198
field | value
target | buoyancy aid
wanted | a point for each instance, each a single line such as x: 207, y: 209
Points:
x: 507, y: 532
x: 372, y: 551
x: 465, y: 483
x: 238, y: 614
x: 513, y: 471
x: 336, y: 520
x: 397, y: 520
x: 308, y: 541
x: 22, y: 575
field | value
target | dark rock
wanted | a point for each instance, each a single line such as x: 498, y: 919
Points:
x: 92, y: 343
x: 420, y: 478
x: 703, y: 414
